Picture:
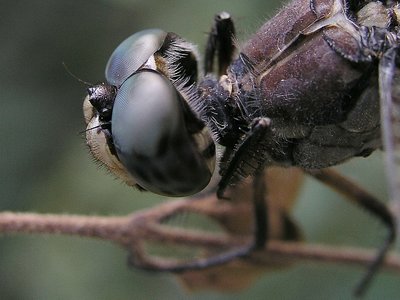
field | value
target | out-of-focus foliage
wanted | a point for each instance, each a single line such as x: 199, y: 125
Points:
x: 44, y: 166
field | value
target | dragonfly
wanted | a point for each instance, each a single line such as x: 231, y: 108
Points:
x: 315, y: 86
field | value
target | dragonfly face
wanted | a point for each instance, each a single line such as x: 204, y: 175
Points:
x: 139, y: 124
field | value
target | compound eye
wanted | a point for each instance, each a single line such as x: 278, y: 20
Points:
x: 151, y: 139
x: 132, y: 53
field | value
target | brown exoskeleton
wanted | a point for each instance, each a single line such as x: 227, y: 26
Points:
x: 304, y: 91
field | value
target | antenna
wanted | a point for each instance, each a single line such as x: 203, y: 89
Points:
x: 74, y: 76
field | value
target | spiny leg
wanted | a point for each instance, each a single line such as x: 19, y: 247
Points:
x: 240, y: 161
x: 260, y: 212
x: 220, y: 41
x: 260, y: 129
x: 367, y: 201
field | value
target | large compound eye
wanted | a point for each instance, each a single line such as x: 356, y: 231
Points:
x: 141, y: 121
x: 132, y: 53
x: 152, y: 140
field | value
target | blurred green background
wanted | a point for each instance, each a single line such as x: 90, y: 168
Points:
x: 45, y: 166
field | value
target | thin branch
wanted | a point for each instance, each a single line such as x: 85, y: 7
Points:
x: 330, y: 254
x: 108, y: 228
x: 119, y: 230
